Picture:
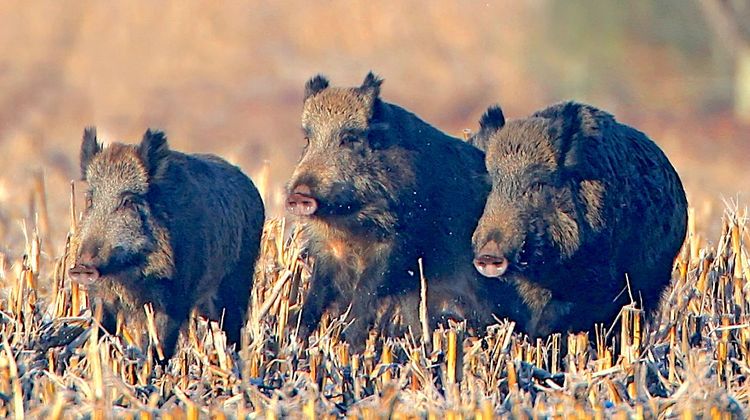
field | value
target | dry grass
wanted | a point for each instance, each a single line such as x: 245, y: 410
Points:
x: 56, y: 363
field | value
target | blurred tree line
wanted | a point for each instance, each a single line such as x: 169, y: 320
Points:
x: 683, y: 53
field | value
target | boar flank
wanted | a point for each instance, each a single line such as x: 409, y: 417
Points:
x: 174, y: 230
x: 377, y: 188
x: 578, y: 202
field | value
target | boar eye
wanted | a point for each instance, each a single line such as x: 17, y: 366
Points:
x: 307, y: 141
x: 89, y: 200
x: 129, y: 202
x: 349, y: 138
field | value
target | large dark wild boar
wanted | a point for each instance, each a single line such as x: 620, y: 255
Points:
x: 162, y: 227
x: 578, y: 202
x: 378, y: 188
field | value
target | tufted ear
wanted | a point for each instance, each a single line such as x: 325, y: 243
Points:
x: 479, y: 140
x: 153, y: 151
x: 315, y: 85
x: 565, y: 131
x: 493, y: 119
x: 371, y: 85
x: 90, y: 147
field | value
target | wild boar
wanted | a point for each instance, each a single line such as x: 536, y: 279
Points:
x: 174, y: 230
x: 579, y: 203
x: 377, y: 188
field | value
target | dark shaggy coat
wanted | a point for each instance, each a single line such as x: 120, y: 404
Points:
x: 377, y: 189
x: 579, y: 202
x: 174, y: 230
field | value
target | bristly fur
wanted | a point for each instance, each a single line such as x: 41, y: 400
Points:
x: 578, y: 202
x: 372, y: 84
x: 493, y: 119
x: 316, y: 84
x: 568, y: 123
x: 90, y: 147
x: 178, y: 231
x: 153, y: 151
x: 390, y: 189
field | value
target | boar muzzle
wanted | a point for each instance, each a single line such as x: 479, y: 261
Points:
x: 489, y: 262
x: 300, y: 202
x: 83, y: 274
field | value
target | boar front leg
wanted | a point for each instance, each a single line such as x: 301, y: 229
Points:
x: 320, y: 294
x: 368, y: 293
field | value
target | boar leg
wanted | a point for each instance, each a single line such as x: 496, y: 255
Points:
x: 168, y: 328
x: 553, y: 317
x: 365, y: 300
x: 233, y: 296
x: 363, y: 315
x: 320, y: 295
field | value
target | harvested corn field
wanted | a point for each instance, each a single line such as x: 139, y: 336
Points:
x: 57, y: 363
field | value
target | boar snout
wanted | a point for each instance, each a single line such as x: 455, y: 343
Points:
x: 489, y: 261
x: 300, y: 202
x: 85, y: 270
x: 84, y: 274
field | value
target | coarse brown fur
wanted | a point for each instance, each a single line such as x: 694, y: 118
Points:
x: 579, y: 202
x: 390, y: 189
x: 174, y: 230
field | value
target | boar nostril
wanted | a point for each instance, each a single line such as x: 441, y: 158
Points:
x: 491, y: 265
x: 300, y: 202
x: 83, y: 274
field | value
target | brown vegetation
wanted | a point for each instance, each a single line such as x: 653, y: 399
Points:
x: 55, y: 362
x: 231, y: 72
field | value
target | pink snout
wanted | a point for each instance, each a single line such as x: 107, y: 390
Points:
x: 489, y: 261
x: 84, y: 271
x: 83, y: 274
x: 300, y: 202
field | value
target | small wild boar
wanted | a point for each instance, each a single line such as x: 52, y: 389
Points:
x: 378, y: 188
x: 578, y: 202
x: 174, y: 230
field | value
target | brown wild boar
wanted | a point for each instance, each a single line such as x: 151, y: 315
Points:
x: 174, y: 230
x: 579, y: 201
x: 378, y: 188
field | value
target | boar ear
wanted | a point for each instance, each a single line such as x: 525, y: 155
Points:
x: 154, y: 151
x: 493, y: 119
x: 478, y: 141
x: 378, y: 134
x: 315, y: 85
x: 565, y: 130
x: 90, y: 147
x: 371, y: 85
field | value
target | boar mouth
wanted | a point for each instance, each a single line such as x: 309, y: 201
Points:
x: 342, y: 201
x: 89, y: 274
x: 490, y: 261
x: 491, y: 266
x: 304, y: 203
x: 300, y: 204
